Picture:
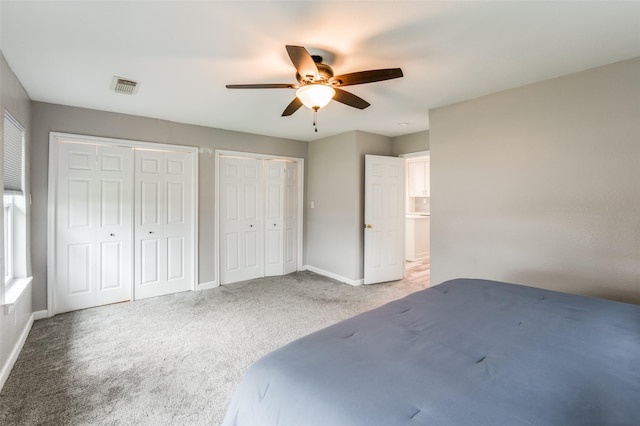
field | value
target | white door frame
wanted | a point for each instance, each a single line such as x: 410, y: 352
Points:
x: 299, y: 163
x: 415, y: 154
x: 57, y: 137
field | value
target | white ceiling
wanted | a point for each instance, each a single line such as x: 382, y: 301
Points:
x: 184, y: 52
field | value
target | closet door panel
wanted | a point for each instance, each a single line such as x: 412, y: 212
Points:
x: 111, y: 260
x: 114, y: 233
x: 251, y: 255
x: 111, y: 203
x: 149, y: 261
x: 178, y: 227
x: 78, y: 272
x: 79, y: 205
x: 149, y: 198
x: 274, y: 205
x: 93, y: 225
x: 175, y: 203
x: 175, y: 258
x: 150, y: 202
x: 290, y: 218
x: 231, y: 251
x: 241, y: 219
x: 164, y: 224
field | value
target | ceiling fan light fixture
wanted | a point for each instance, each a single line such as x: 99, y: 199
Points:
x: 315, y: 96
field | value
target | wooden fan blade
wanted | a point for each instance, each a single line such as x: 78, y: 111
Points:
x: 370, y: 76
x: 292, y: 107
x: 261, y: 86
x: 304, y: 63
x: 350, y: 99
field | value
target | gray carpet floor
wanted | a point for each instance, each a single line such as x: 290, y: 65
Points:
x: 171, y: 360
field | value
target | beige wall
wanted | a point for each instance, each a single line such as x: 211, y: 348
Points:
x: 58, y: 118
x: 13, y: 98
x: 407, y: 144
x: 541, y: 185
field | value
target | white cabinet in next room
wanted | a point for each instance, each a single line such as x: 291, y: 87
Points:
x: 418, y: 177
x: 417, y: 237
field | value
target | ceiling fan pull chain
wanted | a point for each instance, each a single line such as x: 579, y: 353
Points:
x: 315, y: 118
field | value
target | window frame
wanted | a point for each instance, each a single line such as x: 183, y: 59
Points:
x: 17, y: 271
x: 8, y: 239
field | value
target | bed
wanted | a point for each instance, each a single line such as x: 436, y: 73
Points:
x: 465, y: 352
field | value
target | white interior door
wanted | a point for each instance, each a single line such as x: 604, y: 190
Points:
x: 93, y: 225
x: 241, y: 219
x: 384, y: 219
x: 164, y: 225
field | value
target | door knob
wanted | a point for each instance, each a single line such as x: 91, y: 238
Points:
x: 368, y: 226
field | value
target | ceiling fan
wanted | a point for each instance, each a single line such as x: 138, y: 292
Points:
x: 317, y: 84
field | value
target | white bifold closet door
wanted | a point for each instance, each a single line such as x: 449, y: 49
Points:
x: 280, y: 217
x: 241, y: 219
x: 258, y: 218
x: 94, y: 211
x: 291, y: 225
x: 163, y: 223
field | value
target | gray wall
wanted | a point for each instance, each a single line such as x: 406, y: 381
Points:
x: 49, y: 117
x: 332, y: 186
x: 336, y: 186
x: 540, y: 185
x: 407, y: 144
x: 13, y: 98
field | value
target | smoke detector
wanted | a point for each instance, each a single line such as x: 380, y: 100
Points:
x: 124, y: 86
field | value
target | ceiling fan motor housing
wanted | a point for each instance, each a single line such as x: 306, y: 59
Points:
x: 325, y: 73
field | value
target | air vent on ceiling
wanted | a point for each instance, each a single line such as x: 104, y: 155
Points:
x: 124, y: 86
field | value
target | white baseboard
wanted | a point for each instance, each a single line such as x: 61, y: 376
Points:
x: 38, y: 315
x: 334, y: 276
x: 15, y: 352
x: 207, y: 286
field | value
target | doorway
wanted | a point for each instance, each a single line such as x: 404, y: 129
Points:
x: 418, y: 216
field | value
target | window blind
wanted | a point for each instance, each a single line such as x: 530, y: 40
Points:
x: 13, y: 155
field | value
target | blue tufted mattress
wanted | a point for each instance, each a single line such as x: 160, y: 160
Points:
x: 466, y: 352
